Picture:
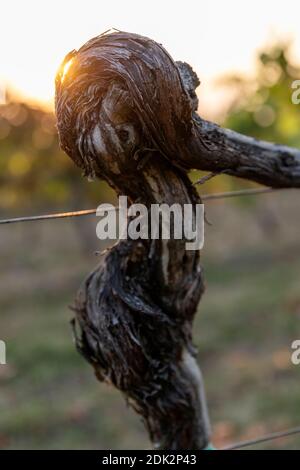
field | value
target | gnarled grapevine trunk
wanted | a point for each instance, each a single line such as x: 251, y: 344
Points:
x: 126, y: 112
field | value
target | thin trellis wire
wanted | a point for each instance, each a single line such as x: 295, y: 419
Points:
x: 266, y: 438
x: 204, y: 197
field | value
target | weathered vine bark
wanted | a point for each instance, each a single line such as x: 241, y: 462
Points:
x: 126, y: 112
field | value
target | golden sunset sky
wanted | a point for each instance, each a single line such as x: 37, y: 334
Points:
x: 214, y: 36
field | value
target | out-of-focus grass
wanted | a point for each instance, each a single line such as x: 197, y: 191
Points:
x: 244, y: 333
x: 246, y: 323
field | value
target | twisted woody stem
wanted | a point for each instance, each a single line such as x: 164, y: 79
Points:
x: 126, y: 112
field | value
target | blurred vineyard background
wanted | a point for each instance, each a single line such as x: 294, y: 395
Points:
x: 247, y: 319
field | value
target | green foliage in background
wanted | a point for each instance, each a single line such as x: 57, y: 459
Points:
x: 262, y: 107
x: 247, y: 320
x: 35, y: 173
x: 33, y: 170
